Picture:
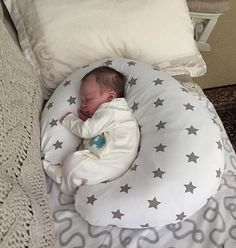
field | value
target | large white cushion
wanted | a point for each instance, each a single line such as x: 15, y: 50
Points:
x: 180, y: 158
x: 58, y: 36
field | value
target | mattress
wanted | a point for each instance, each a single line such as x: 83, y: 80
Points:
x: 212, y: 226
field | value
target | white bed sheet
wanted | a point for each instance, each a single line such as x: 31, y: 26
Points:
x: 214, y: 225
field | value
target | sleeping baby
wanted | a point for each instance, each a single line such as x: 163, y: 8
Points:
x: 109, y: 131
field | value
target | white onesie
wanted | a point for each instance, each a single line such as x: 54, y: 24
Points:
x: 110, y: 145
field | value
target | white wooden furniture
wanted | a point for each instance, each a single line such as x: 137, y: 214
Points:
x: 203, y: 24
x: 205, y: 14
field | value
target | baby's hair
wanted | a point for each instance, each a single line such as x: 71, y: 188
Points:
x: 108, y: 78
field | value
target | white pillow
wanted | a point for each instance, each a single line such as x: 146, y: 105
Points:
x: 58, y: 36
x: 180, y: 158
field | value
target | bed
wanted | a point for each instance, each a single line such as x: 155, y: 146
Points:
x: 34, y: 213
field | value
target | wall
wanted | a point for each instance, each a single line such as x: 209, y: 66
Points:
x: 221, y: 60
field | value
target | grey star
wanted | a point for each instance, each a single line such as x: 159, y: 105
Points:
x: 158, y: 81
x: 66, y: 83
x: 145, y: 225
x: 189, y: 187
x: 134, y: 167
x: 131, y: 63
x: 153, y: 203
x: 58, y: 145
x: 50, y: 105
x: 160, y: 148
x: 181, y: 216
x: 219, y: 145
x: 192, y: 130
x: 160, y: 125
x: 71, y: 100
x: 108, y: 62
x: 135, y: 106
x: 53, y: 123
x: 158, y: 173
x: 132, y: 81
x: 158, y: 102
x: 189, y: 106
x: 218, y: 173
x: 192, y: 157
x: 184, y: 90
x: 117, y: 214
x: 125, y: 188
x: 91, y: 199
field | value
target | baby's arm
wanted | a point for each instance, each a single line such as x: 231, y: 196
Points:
x: 89, y: 128
x: 73, y: 123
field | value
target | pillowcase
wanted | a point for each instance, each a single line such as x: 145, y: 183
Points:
x: 179, y: 163
x: 59, y: 36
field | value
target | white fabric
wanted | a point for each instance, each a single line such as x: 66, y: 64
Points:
x: 87, y: 31
x: 53, y: 135
x: 179, y: 162
x: 59, y: 36
x: 111, y: 139
x: 198, y: 231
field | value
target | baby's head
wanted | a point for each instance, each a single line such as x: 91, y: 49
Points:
x: 100, y: 85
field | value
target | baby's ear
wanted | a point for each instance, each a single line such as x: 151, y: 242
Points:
x: 111, y: 95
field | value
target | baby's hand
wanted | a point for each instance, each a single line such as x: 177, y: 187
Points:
x: 61, y: 120
x: 82, y: 116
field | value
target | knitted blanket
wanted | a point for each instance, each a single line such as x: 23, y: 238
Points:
x: 24, y: 212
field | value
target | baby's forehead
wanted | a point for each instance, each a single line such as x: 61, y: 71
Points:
x: 90, y: 80
x: 89, y: 88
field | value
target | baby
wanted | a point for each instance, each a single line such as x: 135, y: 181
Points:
x: 108, y: 128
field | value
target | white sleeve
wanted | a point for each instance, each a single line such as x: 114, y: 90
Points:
x: 91, y: 127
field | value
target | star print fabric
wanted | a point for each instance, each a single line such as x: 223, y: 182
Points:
x: 180, y: 159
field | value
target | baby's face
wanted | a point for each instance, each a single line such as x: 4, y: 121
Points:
x: 91, y: 97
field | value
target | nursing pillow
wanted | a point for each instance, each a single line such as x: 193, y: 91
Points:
x: 179, y: 163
